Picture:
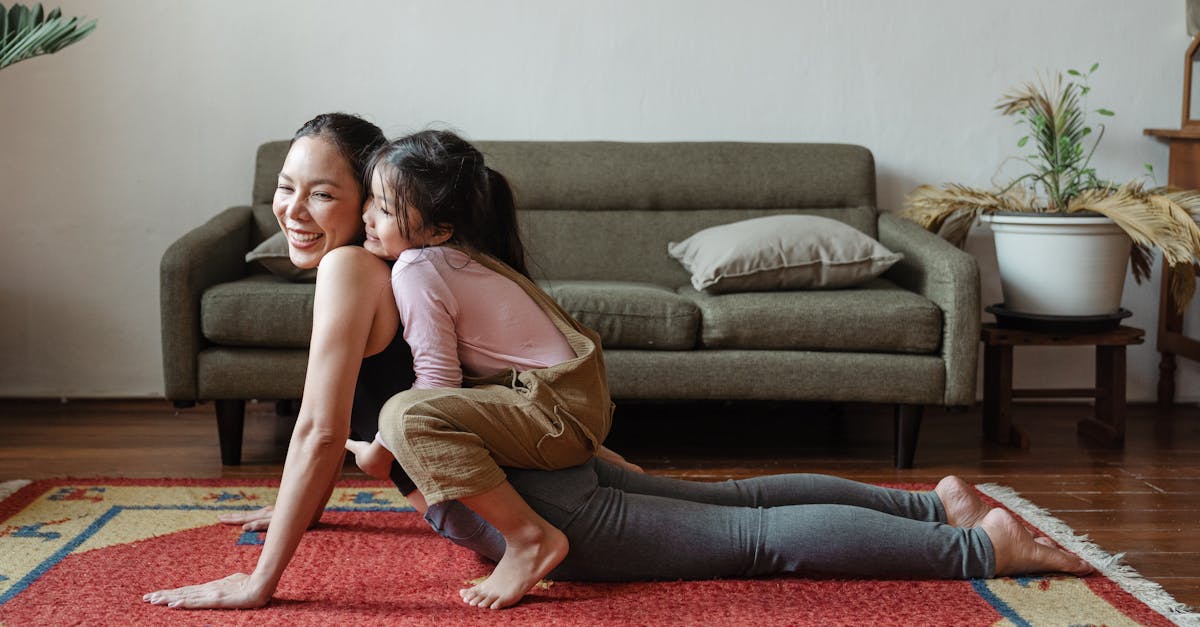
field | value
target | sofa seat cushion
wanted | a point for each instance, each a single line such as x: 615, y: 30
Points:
x: 630, y: 314
x: 260, y: 310
x: 877, y: 316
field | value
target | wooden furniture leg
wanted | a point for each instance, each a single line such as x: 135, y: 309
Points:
x: 1108, y: 425
x: 997, y: 397
x: 1170, y: 325
x: 231, y: 418
x: 908, y: 427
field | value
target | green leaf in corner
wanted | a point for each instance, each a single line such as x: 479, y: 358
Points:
x: 1074, y: 73
x: 1021, y: 142
x: 1095, y: 66
x: 1149, y: 168
x: 1105, y: 112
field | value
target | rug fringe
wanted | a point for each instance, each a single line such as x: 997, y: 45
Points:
x: 1108, y: 564
x: 8, y: 488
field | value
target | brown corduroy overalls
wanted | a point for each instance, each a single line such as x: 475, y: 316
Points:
x: 452, y: 441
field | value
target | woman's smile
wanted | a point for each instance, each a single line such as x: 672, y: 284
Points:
x: 302, y: 239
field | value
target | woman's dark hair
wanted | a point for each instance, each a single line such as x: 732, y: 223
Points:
x: 355, y: 138
x: 443, y: 178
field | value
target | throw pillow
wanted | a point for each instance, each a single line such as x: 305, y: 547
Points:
x: 783, y: 252
x: 272, y: 254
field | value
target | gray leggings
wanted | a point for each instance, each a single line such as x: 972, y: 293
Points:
x: 626, y: 526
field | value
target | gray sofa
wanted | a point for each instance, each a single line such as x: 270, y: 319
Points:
x: 597, y: 218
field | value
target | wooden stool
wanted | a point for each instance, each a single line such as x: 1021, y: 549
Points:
x: 1107, y: 426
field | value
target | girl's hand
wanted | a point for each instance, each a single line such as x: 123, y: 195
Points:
x: 371, y: 457
x: 613, y: 457
x: 235, y: 592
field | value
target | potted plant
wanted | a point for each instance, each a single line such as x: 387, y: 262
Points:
x: 26, y: 33
x: 1063, y: 235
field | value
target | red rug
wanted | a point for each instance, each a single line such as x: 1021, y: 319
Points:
x: 84, y: 552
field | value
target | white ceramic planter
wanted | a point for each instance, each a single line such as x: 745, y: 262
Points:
x: 1055, y: 265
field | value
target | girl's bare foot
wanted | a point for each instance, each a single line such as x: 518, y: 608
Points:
x: 963, y: 506
x: 1018, y: 553
x: 526, y: 561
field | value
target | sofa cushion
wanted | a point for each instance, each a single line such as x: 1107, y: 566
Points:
x: 629, y: 314
x: 878, y: 316
x: 781, y: 253
x: 272, y: 254
x: 259, y: 310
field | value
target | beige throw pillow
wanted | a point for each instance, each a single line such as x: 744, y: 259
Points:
x: 784, y: 252
x: 272, y: 253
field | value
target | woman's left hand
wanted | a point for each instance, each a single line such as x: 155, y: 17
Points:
x: 235, y: 592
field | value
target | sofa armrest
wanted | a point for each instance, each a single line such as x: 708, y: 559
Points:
x: 214, y: 252
x: 949, y: 277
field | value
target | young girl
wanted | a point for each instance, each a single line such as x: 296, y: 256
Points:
x: 504, y: 376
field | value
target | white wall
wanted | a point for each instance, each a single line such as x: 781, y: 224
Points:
x: 116, y: 146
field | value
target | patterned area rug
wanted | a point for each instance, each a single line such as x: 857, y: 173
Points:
x: 84, y: 552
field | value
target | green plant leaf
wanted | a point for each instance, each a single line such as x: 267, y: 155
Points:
x: 1105, y: 112
x: 1021, y: 142
x: 1095, y: 66
x: 1074, y: 73
x: 26, y: 33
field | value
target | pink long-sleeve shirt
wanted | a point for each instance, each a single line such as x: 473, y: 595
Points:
x: 460, y: 317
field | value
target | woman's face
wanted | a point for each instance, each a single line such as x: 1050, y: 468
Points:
x: 318, y: 201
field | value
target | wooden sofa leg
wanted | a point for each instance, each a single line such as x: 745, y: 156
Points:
x: 908, y: 426
x: 231, y: 417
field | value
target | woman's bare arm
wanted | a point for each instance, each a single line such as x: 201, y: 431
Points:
x: 352, y: 313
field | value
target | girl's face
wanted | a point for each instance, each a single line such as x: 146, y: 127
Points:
x: 317, y: 201
x: 385, y: 237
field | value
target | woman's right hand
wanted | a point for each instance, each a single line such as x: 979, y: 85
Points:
x: 257, y: 520
x: 235, y: 592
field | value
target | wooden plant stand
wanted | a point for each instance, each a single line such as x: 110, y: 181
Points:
x: 1107, y: 427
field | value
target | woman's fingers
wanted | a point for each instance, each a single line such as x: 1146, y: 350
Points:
x: 257, y: 520
x: 241, y: 518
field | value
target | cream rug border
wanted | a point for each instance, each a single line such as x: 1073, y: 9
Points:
x: 8, y: 488
x: 1108, y: 564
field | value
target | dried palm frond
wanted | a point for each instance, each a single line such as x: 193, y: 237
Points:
x: 1152, y: 221
x: 931, y: 206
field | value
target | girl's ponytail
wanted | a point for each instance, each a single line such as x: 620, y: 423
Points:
x: 504, y: 238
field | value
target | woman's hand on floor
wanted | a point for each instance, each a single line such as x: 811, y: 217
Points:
x: 235, y: 592
x: 257, y: 520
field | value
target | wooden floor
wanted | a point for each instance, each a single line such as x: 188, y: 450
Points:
x: 1143, y: 500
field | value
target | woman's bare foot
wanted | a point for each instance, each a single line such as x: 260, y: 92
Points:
x: 527, y: 559
x: 1019, y: 553
x: 963, y: 506
x: 371, y: 458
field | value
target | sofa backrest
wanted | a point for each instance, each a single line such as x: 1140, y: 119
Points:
x: 607, y: 210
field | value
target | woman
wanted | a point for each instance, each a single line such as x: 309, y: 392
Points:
x: 661, y: 528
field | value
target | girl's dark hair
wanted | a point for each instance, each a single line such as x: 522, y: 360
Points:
x: 355, y: 138
x: 443, y: 178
